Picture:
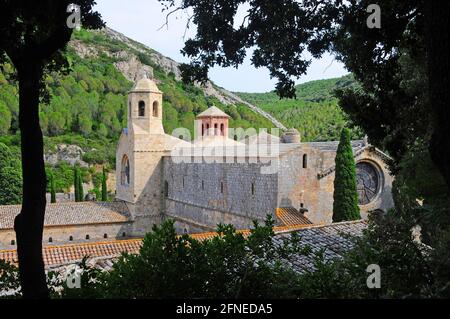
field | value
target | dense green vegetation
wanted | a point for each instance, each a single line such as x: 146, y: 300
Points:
x: 104, y: 197
x: 314, y: 113
x: 345, y: 196
x: 10, y: 177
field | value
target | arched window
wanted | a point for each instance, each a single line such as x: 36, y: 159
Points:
x: 305, y: 161
x: 207, y: 129
x: 50, y: 240
x: 125, y: 171
x: 253, y: 188
x: 222, y: 129
x: 141, y: 108
x: 155, y: 109
x: 221, y: 187
x: 166, y: 189
x: 124, y: 234
x: 71, y: 238
x: 105, y: 235
x: 215, y: 129
x: 87, y: 237
x: 203, y: 129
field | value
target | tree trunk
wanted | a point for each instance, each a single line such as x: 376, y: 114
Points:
x: 29, y: 224
x: 438, y: 76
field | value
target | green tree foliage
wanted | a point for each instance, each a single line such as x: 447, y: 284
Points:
x: 345, y: 196
x: 5, y: 118
x: 10, y: 177
x: 420, y: 191
x: 80, y: 185
x: 9, y: 279
x: 75, y: 184
x: 52, y: 187
x: 104, y: 187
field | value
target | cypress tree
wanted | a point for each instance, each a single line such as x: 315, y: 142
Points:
x: 104, y: 188
x: 345, y: 204
x: 80, y: 187
x: 52, y: 188
x: 75, y: 184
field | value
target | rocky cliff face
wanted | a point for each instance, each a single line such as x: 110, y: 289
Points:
x: 71, y: 154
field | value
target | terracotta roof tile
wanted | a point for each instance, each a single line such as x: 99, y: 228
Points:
x: 289, y: 216
x: 213, y: 111
x: 59, y: 255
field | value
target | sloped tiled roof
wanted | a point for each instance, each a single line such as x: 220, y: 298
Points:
x: 213, y: 111
x: 331, y: 238
x: 289, y: 216
x: 66, y: 254
x: 71, y: 213
x: 333, y: 145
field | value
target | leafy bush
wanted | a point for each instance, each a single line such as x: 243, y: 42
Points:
x: 10, y: 177
x: 9, y: 280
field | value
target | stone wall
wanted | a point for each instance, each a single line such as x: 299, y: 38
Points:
x: 299, y: 186
x: 202, y: 195
x: 302, y: 186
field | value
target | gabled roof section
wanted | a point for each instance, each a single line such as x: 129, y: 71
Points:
x: 333, y: 239
x: 72, y: 214
x: 146, y: 85
x: 213, y: 111
x: 289, y: 216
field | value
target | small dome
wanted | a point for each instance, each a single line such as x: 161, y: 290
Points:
x: 213, y: 111
x: 146, y: 85
x: 291, y: 136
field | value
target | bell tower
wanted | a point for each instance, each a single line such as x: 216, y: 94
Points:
x: 139, y: 157
x: 145, y: 108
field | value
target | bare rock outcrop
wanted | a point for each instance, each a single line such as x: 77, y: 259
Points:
x: 133, y: 69
x: 72, y: 154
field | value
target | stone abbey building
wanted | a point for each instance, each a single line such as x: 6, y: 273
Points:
x: 214, y: 179
x: 202, y: 181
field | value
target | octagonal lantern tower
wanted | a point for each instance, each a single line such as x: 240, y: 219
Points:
x: 212, y: 122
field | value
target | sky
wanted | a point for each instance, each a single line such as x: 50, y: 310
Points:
x: 144, y: 21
